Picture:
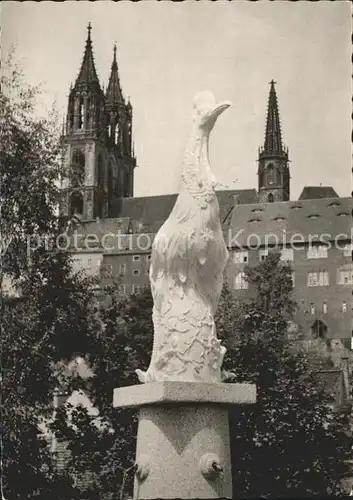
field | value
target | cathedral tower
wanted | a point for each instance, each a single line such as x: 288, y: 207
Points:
x: 94, y: 154
x: 273, y: 169
x: 121, y: 157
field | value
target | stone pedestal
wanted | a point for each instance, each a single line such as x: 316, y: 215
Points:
x: 183, y: 448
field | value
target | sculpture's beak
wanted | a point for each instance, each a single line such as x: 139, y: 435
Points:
x: 212, y: 115
x: 219, y: 108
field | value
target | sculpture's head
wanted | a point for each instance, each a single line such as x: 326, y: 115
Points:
x: 207, y: 110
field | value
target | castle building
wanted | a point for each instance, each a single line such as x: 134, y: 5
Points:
x: 313, y: 233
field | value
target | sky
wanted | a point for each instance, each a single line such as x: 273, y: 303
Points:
x: 167, y: 52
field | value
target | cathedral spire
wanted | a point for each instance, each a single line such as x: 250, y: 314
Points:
x: 273, y: 138
x: 87, y: 74
x: 273, y: 169
x: 114, y: 95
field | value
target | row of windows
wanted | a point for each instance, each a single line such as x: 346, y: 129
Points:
x: 313, y: 252
x: 320, y: 278
x: 123, y: 288
x: 324, y: 309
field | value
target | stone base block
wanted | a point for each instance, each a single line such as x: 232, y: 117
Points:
x: 184, y: 392
x: 183, y: 448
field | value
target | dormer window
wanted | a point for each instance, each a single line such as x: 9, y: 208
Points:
x: 334, y: 204
x: 255, y: 219
x: 313, y: 216
x: 279, y: 218
x: 342, y: 214
x: 257, y: 210
x: 296, y: 207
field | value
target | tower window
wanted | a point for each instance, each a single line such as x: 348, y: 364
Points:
x: 270, y: 198
x: 344, y: 307
x: 136, y: 272
x: 324, y: 308
x: 78, y: 167
x: 116, y: 134
x: 136, y: 258
x: 80, y: 113
x: 76, y: 203
x: 270, y: 174
x: 312, y: 309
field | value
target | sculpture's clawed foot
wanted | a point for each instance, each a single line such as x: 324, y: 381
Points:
x: 142, y: 376
x: 227, y: 376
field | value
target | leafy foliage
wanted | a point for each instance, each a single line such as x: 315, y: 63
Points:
x: 48, y: 322
x: 291, y: 443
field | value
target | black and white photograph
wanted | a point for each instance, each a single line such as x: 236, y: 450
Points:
x: 176, y: 250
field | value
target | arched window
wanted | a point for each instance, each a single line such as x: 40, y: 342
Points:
x: 80, y: 113
x: 78, y: 167
x: 116, y: 139
x: 319, y: 329
x: 270, y: 198
x: 271, y: 174
x: 88, y: 116
x: 76, y: 203
x: 100, y: 172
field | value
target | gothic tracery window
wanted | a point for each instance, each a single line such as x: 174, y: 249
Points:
x: 76, y: 203
x: 271, y: 174
x: 78, y: 167
x: 80, y: 113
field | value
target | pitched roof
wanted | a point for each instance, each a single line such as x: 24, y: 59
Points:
x: 149, y: 213
x: 314, y: 192
x: 281, y: 221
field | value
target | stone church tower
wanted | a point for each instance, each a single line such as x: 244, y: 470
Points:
x: 273, y: 169
x: 98, y: 158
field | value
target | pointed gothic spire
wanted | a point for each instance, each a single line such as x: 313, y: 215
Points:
x: 87, y: 74
x: 273, y: 138
x: 114, y: 95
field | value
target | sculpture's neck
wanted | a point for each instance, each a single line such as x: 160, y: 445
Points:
x: 196, y: 162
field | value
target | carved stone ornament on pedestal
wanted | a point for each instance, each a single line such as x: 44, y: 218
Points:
x: 188, y: 259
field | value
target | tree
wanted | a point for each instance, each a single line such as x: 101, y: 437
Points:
x: 48, y: 322
x: 120, y: 341
x: 291, y: 443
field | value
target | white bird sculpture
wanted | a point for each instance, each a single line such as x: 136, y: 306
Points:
x: 189, y: 255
